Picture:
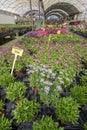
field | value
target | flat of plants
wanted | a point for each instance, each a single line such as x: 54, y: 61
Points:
x: 48, y: 87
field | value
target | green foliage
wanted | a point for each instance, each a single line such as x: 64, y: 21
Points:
x: 5, y: 79
x: 46, y: 123
x: 5, y: 124
x: 15, y: 90
x: 83, y: 80
x: 79, y: 93
x: 26, y: 110
x: 49, y: 98
x: 85, y: 126
x: 1, y: 105
x: 67, y: 110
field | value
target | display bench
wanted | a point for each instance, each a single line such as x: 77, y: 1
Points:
x: 11, y: 33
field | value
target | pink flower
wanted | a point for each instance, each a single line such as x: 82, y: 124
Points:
x: 76, y: 60
x: 79, y: 65
x: 57, y: 62
x: 0, y: 52
x: 79, y: 54
x: 65, y: 65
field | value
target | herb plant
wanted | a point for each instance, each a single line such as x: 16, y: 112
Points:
x: 15, y: 91
x: 85, y: 126
x: 46, y: 123
x: 1, y: 105
x: 26, y: 110
x: 5, y: 124
x: 79, y: 93
x: 67, y: 110
x: 5, y: 79
x: 83, y: 80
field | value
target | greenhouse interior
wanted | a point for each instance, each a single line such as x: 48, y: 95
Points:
x: 43, y: 65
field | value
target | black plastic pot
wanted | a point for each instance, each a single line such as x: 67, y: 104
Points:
x: 73, y: 127
x: 2, y: 93
x: 27, y: 83
x: 8, y: 109
x: 15, y: 125
x: 48, y: 111
x: 83, y: 115
x: 25, y: 126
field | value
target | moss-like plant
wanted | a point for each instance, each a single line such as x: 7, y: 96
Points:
x: 46, y: 123
x: 15, y: 91
x: 84, y: 80
x: 5, y: 124
x: 79, y: 93
x: 67, y: 110
x: 49, y: 98
x: 1, y: 105
x: 85, y: 126
x: 26, y: 110
x: 5, y: 79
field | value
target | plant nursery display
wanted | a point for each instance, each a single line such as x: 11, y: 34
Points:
x: 47, y: 90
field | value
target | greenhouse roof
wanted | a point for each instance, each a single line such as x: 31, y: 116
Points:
x: 65, y: 7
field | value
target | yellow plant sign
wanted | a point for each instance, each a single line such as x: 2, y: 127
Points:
x: 58, y: 32
x: 17, y: 51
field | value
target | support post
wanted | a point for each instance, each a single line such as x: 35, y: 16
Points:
x: 31, y: 13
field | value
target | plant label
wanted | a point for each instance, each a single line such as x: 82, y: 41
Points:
x: 17, y: 51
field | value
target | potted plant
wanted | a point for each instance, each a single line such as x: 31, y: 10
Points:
x: 83, y: 81
x: 1, y: 107
x: 67, y: 110
x: 26, y: 110
x: 49, y: 96
x: 5, y: 124
x: 79, y: 93
x: 5, y: 79
x: 46, y: 123
x: 15, y: 91
x: 85, y: 126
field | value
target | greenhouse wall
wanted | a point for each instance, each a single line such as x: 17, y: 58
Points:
x: 6, y: 18
x: 81, y: 17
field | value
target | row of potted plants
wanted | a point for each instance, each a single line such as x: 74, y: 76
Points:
x: 50, y: 91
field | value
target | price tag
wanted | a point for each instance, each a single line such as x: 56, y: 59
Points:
x: 17, y: 51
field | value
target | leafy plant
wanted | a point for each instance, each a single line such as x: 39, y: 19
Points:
x: 83, y: 80
x: 79, y: 93
x: 26, y: 110
x: 46, y: 123
x: 15, y: 90
x: 5, y: 124
x: 50, y: 97
x: 67, y: 110
x: 6, y: 79
x: 1, y: 105
x: 85, y: 126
